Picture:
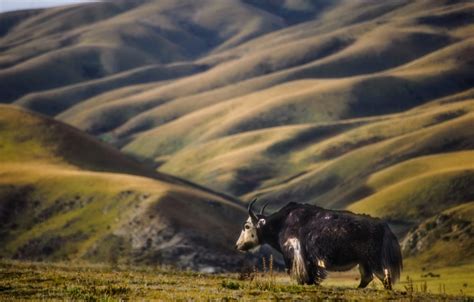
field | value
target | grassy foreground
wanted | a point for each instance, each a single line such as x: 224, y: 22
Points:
x: 29, y: 280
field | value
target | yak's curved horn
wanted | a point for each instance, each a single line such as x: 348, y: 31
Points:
x: 263, y: 208
x: 251, y: 213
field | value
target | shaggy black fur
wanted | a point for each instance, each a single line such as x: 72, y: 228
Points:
x: 338, y: 240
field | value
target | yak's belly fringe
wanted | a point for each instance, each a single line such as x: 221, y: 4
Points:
x: 298, y: 269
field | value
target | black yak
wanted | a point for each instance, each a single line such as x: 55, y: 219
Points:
x: 314, y: 240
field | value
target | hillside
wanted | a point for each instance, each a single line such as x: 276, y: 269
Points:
x: 433, y: 241
x: 64, y: 196
x: 348, y: 104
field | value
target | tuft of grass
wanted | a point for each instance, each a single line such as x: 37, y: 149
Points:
x: 230, y: 284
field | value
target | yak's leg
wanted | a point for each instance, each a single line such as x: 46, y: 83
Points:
x: 385, y: 277
x: 299, y: 269
x: 387, y: 280
x: 366, y: 275
x: 320, y: 275
x: 311, y: 274
x: 316, y: 274
x: 288, y: 263
x: 320, y: 271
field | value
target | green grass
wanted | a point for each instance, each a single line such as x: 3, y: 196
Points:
x: 30, y: 280
x: 66, y: 196
x: 86, y: 202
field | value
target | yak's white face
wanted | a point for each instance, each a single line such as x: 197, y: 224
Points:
x: 248, y: 238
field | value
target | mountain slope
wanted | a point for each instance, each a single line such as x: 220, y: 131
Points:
x: 65, y: 195
x: 433, y: 241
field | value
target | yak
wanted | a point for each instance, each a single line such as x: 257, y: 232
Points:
x: 314, y: 240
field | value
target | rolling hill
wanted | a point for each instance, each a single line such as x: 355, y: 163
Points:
x: 66, y: 196
x: 434, y: 240
x: 359, y: 105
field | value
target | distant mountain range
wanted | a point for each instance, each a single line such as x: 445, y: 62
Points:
x: 359, y: 105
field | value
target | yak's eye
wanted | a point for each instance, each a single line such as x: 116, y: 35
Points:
x: 247, y: 227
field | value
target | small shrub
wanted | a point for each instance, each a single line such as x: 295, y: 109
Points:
x: 230, y: 285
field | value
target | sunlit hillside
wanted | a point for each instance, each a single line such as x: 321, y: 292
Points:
x: 66, y: 196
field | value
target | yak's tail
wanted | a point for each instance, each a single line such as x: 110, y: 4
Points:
x: 391, y: 255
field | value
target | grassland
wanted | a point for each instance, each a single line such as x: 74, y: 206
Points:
x: 66, y: 196
x: 30, y: 280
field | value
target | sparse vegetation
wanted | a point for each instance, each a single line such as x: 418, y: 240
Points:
x: 30, y: 280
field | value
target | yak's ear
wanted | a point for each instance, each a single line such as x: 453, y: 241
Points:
x: 261, y: 222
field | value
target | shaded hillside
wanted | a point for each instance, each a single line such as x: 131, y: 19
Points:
x: 64, y: 195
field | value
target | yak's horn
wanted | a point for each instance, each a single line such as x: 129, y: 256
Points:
x: 263, y: 208
x: 251, y: 213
